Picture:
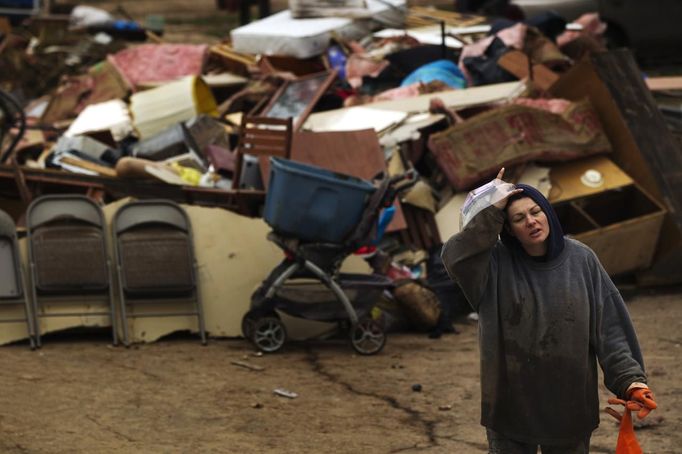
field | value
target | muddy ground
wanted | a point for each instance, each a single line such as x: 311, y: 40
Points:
x: 80, y: 395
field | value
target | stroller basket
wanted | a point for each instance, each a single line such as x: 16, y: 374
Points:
x: 312, y: 203
x: 314, y: 301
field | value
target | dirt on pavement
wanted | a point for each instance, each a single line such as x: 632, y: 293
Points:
x: 80, y: 395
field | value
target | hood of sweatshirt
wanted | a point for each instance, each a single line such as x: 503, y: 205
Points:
x: 555, y: 240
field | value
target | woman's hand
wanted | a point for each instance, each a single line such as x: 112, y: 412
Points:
x: 502, y: 203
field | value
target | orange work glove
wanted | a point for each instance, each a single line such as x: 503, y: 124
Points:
x: 627, y: 442
x: 644, y: 397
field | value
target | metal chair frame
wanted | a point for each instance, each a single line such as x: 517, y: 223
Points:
x: 13, y: 288
x: 67, y: 211
x: 159, y: 212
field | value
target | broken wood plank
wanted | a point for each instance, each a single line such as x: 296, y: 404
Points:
x: 419, y: 16
x: 225, y: 51
x: 516, y: 62
x: 248, y: 366
x: 664, y: 83
x: 243, y: 201
x: 20, y: 180
x: 102, y: 170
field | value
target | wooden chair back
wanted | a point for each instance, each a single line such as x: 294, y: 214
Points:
x: 261, y: 136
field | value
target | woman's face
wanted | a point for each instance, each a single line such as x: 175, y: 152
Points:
x: 529, y: 224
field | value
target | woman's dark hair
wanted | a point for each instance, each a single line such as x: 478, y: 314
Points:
x: 555, y: 240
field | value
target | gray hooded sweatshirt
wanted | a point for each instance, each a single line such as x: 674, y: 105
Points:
x: 543, y: 325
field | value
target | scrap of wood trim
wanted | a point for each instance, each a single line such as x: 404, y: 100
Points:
x: 106, y: 171
x: 516, y: 62
x: 226, y: 51
x: 664, y: 83
x: 247, y: 366
x: 419, y: 16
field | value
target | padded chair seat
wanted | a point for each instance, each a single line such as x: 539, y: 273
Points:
x: 70, y: 258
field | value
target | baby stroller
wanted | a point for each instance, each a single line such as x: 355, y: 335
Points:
x: 307, y: 283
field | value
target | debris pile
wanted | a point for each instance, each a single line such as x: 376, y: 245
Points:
x: 92, y: 104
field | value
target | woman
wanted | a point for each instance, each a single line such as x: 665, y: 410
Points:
x: 547, y: 313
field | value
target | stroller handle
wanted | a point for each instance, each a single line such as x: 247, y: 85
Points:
x: 394, y: 187
x: 411, y: 175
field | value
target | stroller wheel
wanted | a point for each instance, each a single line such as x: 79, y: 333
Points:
x: 367, y: 337
x: 269, y: 334
x: 248, y: 322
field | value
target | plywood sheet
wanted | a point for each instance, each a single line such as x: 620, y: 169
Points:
x: 456, y: 99
x: 354, y: 153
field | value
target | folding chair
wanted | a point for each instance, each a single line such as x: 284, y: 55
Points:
x: 12, y: 285
x: 68, y: 255
x: 155, y: 260
x: 261, y: 136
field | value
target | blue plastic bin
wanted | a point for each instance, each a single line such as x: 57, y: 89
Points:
x: 312, y: 203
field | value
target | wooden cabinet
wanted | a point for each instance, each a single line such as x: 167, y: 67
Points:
x: 617, y: 218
